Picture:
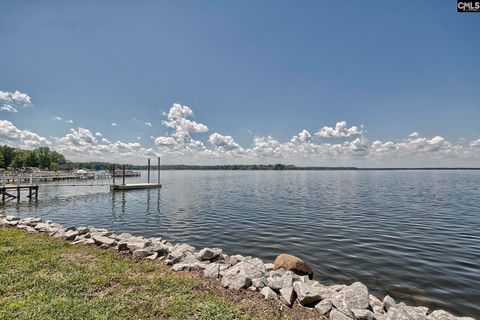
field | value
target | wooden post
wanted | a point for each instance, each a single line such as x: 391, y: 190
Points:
x: 30, y: 192
x: 36, y: 193
x: 158, y: 171
x: 123, y: 171
x: 148, y: 174
x: 113, y: 174
x: 18, y: 193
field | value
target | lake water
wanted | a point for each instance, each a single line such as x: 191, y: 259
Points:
x: 412, y: 234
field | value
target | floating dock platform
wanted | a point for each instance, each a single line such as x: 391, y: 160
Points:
x: 135, y: 186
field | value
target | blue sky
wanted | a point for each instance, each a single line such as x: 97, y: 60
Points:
x: 247, y: 69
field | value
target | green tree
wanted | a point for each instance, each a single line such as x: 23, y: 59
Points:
x: 42, y: 157
x: 8, y: 154
x: 31, y: 159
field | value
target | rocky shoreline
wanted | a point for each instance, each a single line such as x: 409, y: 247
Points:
x: 288, y: 279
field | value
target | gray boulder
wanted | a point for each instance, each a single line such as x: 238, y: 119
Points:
x: 388, y: 302
x: 12, y: 218
x: 416, y: 312
x: 83, y: 230
x: 307, y: 295
x: 70, y: 235
x: 268, y: 293
x: 337, y: 315
x: 288, y: 295
x: 130, y: 245
x: 141, y: 253
x: 83, y: 240
x: 99, y: 240
x: 152, y: 257
x: 236, y: 281
x: 354, y: 296
x: 441, y: 315
x: 363, y: 314
x: 159, y: 248
x: 251, y: 268
x: 31, y: 221
x: 324, y: 306
x: 375, y: 304
x: 400, y: 314
x: 209, y: 254
x: 212, y: 270
x: 269, y: 266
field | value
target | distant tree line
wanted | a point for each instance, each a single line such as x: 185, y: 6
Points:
x: 42, y: 158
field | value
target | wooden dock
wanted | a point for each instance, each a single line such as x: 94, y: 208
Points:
x: 8, y: 192
x: 135, y: 186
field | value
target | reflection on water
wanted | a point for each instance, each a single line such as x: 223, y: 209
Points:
x: 411, y: 234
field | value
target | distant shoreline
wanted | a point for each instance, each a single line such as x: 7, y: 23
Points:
x: 290, y: 168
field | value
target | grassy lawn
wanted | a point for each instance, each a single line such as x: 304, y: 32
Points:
x: 46, y: 278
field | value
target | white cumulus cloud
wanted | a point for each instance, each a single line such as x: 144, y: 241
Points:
x: 341, y: 130
x: 11, y: 135
x: 11, y: 101
x: 224, y: 143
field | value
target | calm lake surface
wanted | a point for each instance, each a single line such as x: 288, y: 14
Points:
x: 412, y: 234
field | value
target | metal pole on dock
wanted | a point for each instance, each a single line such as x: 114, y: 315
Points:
x: 148, y: 174
x: 123, y: 172
x: 158, y: 171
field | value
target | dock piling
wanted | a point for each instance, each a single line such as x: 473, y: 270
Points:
x: 123, y: 174
x: 148, y: 173
x: 158, y: 171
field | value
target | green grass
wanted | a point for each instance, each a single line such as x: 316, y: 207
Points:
x: 45, y: 278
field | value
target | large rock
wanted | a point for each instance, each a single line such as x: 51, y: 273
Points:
x: 268, y: 293
x: 42, y: 227
x: 444, y: 315
x: 212, y: 270
x: 355, y: 296
x: 236, y: 281
x: 400, y: 314
x: 251, y: 268
x: 209, y: 254
x: 31, y: 221
x: 337, y: 315
x: 141, y: 253
x: 375, y: 304
x: 130, y: 245
x: 292, y: 263
x: 288, y: 295
x: 416, y: 312
x: 159, y: 248
x: 70, y: 235
x: 178, y: 252
x: 324, y: 306
x: 307, y: 295
x: 99, y: 240
x: 278, y: 282
x: 12, y: 218
x: 388, y: 303
x: 363, y: 314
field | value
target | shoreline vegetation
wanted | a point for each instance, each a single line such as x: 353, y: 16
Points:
x: 52, y: 271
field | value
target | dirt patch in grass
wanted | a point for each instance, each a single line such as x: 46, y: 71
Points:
x: 78, y: 257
